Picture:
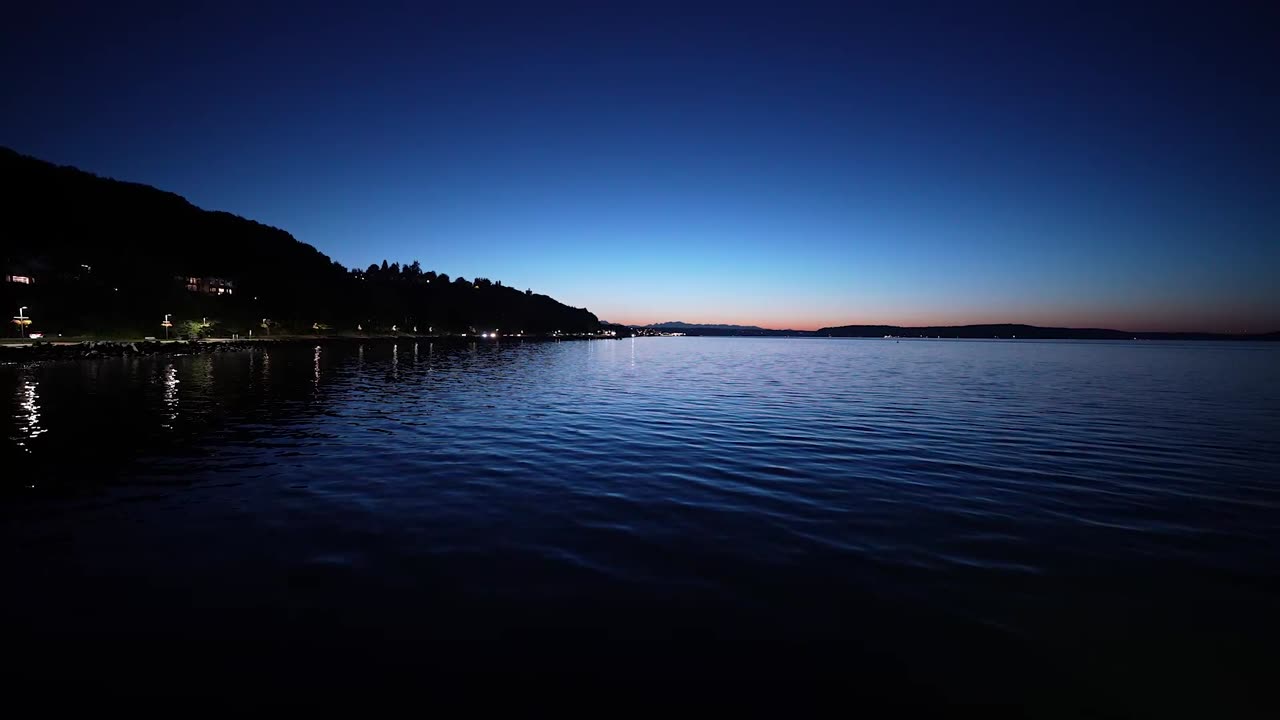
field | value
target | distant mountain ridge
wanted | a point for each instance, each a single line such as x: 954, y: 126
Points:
x: 1028, y: 332
x: 1007, y: 331
x: 678, y: 325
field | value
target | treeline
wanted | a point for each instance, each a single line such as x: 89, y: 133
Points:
x: 111, y: 257
x: 407, y: 296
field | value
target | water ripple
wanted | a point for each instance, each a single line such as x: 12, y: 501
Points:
x: 993, y: 480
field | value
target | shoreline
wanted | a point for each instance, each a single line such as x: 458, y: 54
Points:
x: 86, y: 349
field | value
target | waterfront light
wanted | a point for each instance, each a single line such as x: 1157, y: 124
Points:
x: 22, y: 321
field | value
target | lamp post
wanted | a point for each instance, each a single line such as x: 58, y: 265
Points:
x: 22, y: 321
x: 266, y: 325
x: 166, y: 324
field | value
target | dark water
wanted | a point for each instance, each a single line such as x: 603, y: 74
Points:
x: 1067, y: 527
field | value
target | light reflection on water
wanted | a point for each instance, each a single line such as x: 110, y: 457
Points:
x: 170, y: 383
x: 28, y: 413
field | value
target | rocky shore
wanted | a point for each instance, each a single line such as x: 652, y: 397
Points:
x: 111, y: 348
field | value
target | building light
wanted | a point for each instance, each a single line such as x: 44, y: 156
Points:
x: 21, y: 279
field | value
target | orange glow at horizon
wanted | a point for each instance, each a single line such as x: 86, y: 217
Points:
x: 1210, y: 322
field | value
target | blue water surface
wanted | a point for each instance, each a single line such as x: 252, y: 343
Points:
x: 1085, y: 526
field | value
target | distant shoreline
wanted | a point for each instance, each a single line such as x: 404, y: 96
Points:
x: 959, y: 332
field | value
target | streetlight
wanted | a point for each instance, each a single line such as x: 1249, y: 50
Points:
x: 22, y: 321
x: 166, y: 324
x: 266, y: 324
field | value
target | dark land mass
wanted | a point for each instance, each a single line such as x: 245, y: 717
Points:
x: 972, y: 332
x: 716, y: 330
x: 100, y: 257
x: 677, y: 325
x: 1027, y: 332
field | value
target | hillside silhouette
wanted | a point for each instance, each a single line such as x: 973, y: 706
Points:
x: 103, y: 256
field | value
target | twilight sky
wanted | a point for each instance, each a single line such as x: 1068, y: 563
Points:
x: 784, y: 165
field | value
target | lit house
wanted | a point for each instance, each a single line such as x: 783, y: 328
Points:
x: 20, y: 279
x: 210, y: 285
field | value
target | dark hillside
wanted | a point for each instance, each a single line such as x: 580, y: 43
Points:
x: 105, y: 256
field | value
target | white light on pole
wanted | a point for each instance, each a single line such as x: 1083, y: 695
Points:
x: 166, y: 325
x: 23, y: 321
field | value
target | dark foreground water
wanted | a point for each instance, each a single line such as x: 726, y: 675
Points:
x: 1066, y: 527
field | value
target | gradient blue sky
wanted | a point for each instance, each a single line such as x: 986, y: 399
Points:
x: 782, y: 165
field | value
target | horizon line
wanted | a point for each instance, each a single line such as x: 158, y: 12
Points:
x: 714, y: 325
